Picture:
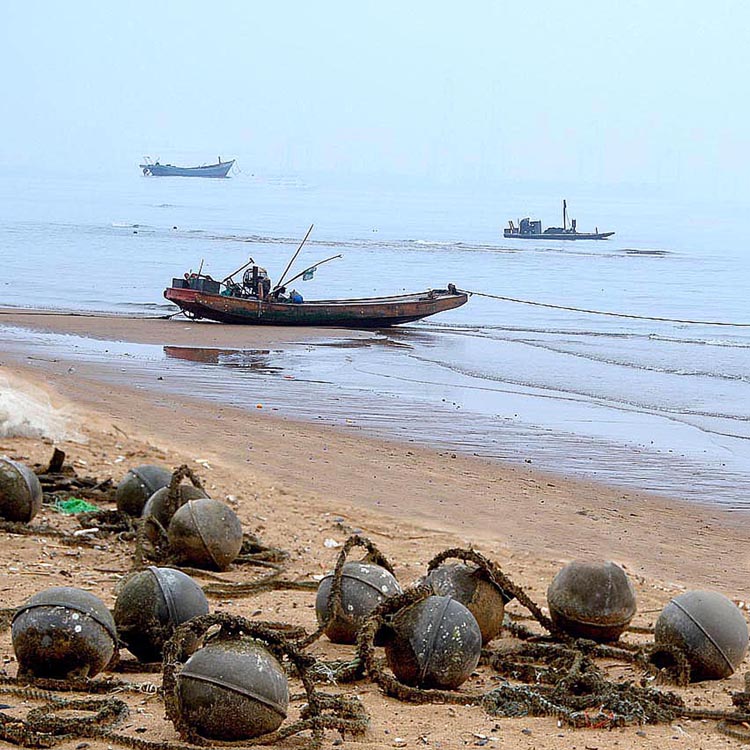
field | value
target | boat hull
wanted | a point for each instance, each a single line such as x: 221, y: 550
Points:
x: 380, y: 312
x: 167, y: 170
x: 556, y: 235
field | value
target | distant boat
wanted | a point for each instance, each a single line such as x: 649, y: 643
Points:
x: 155, y: 169
x: 532, y: 230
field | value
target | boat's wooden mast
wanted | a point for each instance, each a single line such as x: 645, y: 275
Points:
x: 565, y: 214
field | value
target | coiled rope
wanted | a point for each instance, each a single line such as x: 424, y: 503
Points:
x: 603, y: 312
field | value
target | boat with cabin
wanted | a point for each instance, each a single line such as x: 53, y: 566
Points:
x: 532, y: 230
x: 156, y: 169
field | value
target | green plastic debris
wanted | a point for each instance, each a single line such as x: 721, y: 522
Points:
x: 74, y: 505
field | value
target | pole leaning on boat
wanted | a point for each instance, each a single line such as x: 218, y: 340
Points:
x: 294, y: 257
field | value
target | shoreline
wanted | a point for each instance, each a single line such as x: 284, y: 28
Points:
x: 388, y: 384
x: 524, y: 509
x: 306, y: 488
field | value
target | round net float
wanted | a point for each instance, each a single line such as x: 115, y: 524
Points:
x: 63, y: 632
x: 151, y: 604
x: 471, y: 585
x: 435, y: 643
x: 137, y: 486
x: 157, y: 506
x: 363, y: 587
x: 592, y: 600
x: 708, y: 628
x: 20, y: 491
x: 205, y: 533
x: 232, y: 690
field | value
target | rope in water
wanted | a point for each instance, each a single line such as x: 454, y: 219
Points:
x: 603, y: 312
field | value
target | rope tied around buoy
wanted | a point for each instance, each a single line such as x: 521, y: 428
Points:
x: 322, y: 711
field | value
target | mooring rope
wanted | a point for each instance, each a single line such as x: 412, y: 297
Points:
x: 604, y: 312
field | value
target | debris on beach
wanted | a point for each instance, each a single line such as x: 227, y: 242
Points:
x: 433, y: 643
x: 20, y: 491
x: 151, y: 604
x: 432, y: 633
x: 592, y: 600
x: 137, y: 486
x: 162, y: 505
x: 232, y: 690
x: 205, y: 533
x: 26, y: 411
x: 708, y: 628
x: 361, y: 587
x: 472, y: 586
x: 63, y: 632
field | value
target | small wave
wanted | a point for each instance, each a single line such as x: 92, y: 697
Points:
x: 644, y: 251
x: 557, y: 391
x: 723, y: 343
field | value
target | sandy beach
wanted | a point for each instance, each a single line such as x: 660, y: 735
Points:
x: 297, y: 484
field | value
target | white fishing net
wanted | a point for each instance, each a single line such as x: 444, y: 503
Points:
x: 26, y: 411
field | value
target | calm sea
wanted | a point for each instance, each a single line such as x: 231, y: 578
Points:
x: 655, y: 405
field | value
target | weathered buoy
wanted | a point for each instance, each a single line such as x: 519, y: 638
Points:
x: 592, y: 600
x: 137, y: 486
x: 232, y: 690
x: 470, y: 585
x: 63, y: 632
x: 205, y: 533
x: 708, y: 628
x: 363, y: 587
x: 435, y: 643
x: 157, y: 506
x: 151, y: 604
x: 20, y: 491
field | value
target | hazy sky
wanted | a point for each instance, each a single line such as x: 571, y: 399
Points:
x: 596, y: 92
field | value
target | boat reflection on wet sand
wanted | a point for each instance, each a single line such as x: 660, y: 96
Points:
x: 256, y: 360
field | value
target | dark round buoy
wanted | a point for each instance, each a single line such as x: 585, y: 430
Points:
x: 363, y: 587
x: 156, y: 506
x: 709, y: 628
x: 63, y: 632
x: 435, y: 643
x: 137, y: 486
x: 151, y: 604
x: 592, y: 600
x: 471, y: 586
x: 232, y: 690
x: 205, y: 533
x: 20, y: 491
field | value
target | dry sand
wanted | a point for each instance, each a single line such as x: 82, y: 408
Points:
x: 292, y: 481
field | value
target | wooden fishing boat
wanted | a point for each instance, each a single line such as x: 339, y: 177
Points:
x: 254, y: 301
x: 375, y: 312
x: 155, y: 169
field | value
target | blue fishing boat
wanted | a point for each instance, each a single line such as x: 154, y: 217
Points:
x: 155, y: 169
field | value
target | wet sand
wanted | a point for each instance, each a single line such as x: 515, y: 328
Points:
x: 158, y: 330
x: 521, y: 507
x: 292, y: 480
